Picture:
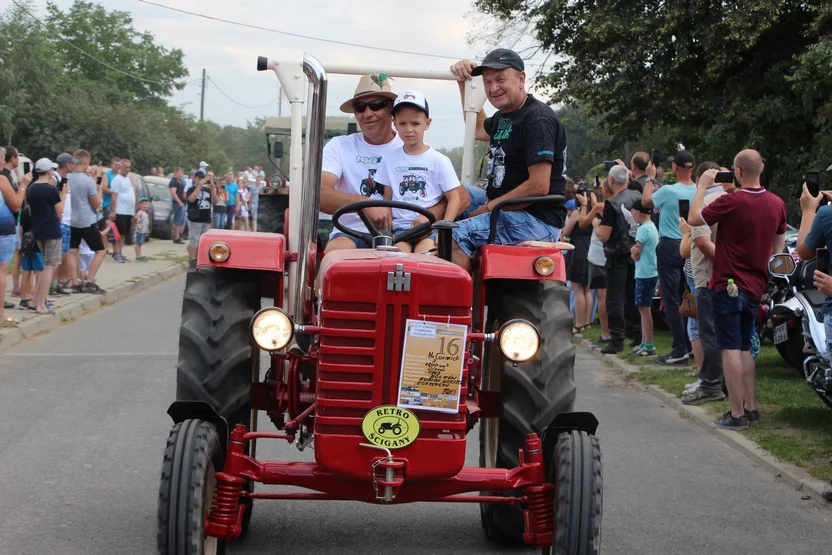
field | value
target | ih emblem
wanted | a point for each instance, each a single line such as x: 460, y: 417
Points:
x: 398, y: 280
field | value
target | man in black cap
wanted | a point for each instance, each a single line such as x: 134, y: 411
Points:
x: 670, y: 261
x: 528, y: 158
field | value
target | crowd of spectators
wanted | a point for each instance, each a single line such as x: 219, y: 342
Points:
x: 708, y: 255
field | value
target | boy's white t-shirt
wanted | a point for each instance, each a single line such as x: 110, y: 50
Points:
x: 420, y: 180
x: 355, y: 162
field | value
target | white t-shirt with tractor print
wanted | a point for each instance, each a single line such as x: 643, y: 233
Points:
x: 420, y: 180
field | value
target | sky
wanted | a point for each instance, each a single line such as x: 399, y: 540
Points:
x: 229, y: 52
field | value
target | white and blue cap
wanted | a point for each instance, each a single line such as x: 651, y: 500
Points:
x: 44, y: 165
x: 412, y: 98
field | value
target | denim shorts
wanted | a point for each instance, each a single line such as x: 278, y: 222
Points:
x: 734, y: 319
x: 359, y: 243
x: 6, y: 248
x: 413, y: 241
x: 513, y: 226
x: 693, y: 326
x: 32, y: 263
x: 179, y: 213
x: 141, y: 238
x: 645, y: 288
x: 66, y: 234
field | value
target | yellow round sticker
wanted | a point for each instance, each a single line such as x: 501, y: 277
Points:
x: 390, y: 426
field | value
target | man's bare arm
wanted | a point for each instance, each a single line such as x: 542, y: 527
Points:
x: 333, y: 199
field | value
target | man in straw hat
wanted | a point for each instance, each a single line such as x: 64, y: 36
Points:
x: 351, y: 161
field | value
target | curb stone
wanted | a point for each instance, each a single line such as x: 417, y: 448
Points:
x: 41, y: 324
x: 796, y: 477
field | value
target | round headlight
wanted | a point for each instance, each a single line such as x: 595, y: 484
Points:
x: 219, y: 252
x: 272, y: 329
x: 544, y: 266
x: 519, y: 340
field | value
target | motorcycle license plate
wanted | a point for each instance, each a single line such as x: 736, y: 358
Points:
x: 781, y: 334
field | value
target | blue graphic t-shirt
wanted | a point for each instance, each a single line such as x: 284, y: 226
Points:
x: 648, y: 236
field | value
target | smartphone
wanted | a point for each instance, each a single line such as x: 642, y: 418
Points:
x: 684, y: 208
x: 823, y: 260
x: 27, y: 167
x: 724, y: 177
x: 608, y: 164
x: 655, y: 155
x: 597, y: 181
x: 812, y: 180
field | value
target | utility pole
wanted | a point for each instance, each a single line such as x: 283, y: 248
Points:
x: 202, y: 98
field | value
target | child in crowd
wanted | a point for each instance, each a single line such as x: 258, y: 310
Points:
x: 416, y: 173
x: 142, y: 221
x: 31, y: 267
x: 244, y: 198
x: 647, y: 275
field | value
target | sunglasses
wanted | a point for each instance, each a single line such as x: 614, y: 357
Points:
x: 374, y: 105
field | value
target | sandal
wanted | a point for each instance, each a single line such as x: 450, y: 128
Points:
x: 580, y: 329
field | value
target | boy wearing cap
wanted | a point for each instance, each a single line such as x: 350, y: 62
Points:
x: 647, y: 275
x: 45, y: 207
x: 142, y: 221
x: 670, y: 261
x: 416, y: 173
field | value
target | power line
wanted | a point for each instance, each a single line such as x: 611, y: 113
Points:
x: 88, y: 55
x: 332, y: 41
x: 226, y: 95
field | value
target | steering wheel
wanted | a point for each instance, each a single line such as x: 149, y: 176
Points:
x: 358, y: 207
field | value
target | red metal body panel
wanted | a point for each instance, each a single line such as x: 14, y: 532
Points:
x: 517, y: 262
x: 361, y: 337
x: 249, y: 251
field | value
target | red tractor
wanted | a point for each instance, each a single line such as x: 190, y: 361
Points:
x: 386, y: 361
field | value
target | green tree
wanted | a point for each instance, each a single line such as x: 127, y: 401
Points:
x: 111, y: 37
x: 715, y: 76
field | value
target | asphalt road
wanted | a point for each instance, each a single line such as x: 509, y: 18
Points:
x: 83, y: 426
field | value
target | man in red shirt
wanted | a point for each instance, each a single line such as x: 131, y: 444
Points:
x: 752, y: 223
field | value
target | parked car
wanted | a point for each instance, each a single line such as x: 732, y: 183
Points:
x: 162, y: 202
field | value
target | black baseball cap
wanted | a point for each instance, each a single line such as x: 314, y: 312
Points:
x: 684, y: 159
x: 637, y: 205
x: 500, y: 58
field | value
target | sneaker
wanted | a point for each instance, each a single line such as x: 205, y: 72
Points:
x: 702, y: 395
x: 637, y: 349
x: 24, y: 304
x: 647, y: 352
x: 141, y: 259
x: 673, y: 360
x: 753, y: 416
x: 92, y: 287
x: 691, y: 387
x: 57, y: 290
x: 728, y: 422
x: 611, y: 349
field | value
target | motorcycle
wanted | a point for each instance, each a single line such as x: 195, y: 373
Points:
x: 798, y: 329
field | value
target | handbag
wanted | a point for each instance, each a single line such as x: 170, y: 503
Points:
x: 687, y: 307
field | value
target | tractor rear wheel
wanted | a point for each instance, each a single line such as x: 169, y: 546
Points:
x: 576, y: 474
x: 532, y: 393
x: 216, y: 353
x: 186, y: 490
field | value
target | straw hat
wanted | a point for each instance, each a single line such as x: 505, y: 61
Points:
x: 375, y: 84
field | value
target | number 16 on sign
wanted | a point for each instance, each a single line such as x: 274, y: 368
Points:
x: 432, y: 363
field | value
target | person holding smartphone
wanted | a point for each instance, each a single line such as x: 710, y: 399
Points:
x: 672, y: 200
x: 816, y: 233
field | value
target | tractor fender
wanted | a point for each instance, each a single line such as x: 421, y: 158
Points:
x: 248, y: 250
x: 517, y: 261
x: 180, y: 411
x: 567, y: 422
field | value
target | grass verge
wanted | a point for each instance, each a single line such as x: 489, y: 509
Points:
x: 795, y: 424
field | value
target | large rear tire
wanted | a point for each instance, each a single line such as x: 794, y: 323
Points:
x: 192, y: 458
x: 576, y: 474
x: 532, y: 393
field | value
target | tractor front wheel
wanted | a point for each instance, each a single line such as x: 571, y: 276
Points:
x: 532, y: 393
x: 192, y: 458
x: 576, y: 474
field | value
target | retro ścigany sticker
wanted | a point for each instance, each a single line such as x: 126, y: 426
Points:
x: 432, y: 363
x: 391, y: 427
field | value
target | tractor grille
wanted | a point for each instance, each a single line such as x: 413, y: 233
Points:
x: 360, y: 359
